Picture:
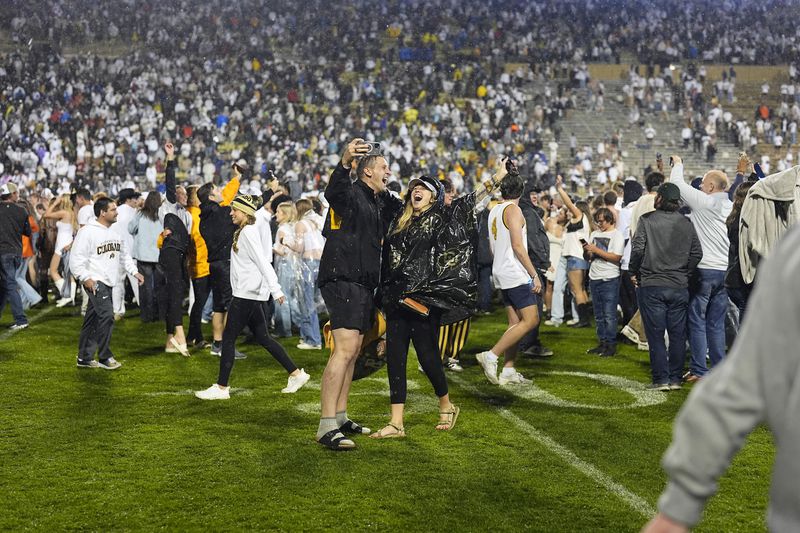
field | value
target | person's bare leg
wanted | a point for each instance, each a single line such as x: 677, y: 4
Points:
x: 53, y: 270
x: 339, y: 370
x: 180, y: 336
x: 524, y: 320
x: 548, y: 295
x: 576, y: 286
x: 344, y: 394
x: 217, y: 325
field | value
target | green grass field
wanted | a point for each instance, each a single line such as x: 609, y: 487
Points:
x: 134, y: 450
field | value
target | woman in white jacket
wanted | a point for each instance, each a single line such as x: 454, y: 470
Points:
x: 253, y: 280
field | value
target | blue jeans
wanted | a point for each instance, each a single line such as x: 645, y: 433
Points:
x: 707, y: 308
x: 309, y: 321
x: 605, y: 296
x: 664, y: 309
x: 27, y: 293
x: 285, y: 312
x: 9, y: 263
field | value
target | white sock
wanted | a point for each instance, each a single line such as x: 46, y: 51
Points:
x: 508, y: 371
x: 341, y: 418
x: 326, y: 425
x: 492, y: 357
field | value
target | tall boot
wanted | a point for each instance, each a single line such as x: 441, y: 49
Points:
x: 584, y: 312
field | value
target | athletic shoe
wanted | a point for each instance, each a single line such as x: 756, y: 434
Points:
x: 181, y: 348
x: 643, y: 346
x: 630, y: 334
x: 453, y: 365
x: 675, y: 386
x: 238, y: 355
x: 600, y: 348
x: 691, y: 378
x: 664, y: 387
x: 109, y: 364
x: 296, y: 382
x: 216, y: 348
x: 63, y: 301
x: 551, y: 322
x: 17, y: 327
x: 88, y: 364
x: 305, y: 346
x: 515, y: 379
x: 573, y: 321
x: 118, y: 317
x: 204, y: 321
x: 609, y: 351
x: 489, y: 367
x: 537, y: 350
x: 214, y: 392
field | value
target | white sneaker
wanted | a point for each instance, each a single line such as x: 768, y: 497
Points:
x: 180, y: 348
x: 514, y: 379
x: 63, y: 301
x: 305, y: 346
x: 453, y: 365
x: 214, y: 392
x: 550, y: 322
x: 489, y: 367
x: 573, y: 321
x: 643, y: 346
x: 295, y: 383
x: 109, y: 364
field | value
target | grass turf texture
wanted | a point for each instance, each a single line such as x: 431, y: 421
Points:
x: 134, y: 450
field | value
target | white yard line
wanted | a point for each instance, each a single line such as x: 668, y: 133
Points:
x: 634, y: 501
x: 31, y: 320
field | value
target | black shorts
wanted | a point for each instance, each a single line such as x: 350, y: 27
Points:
x: 220, y: 272
x: 350, y: 306
x: 519, y: 297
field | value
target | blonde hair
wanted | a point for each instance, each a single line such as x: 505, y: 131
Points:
x: 191, y: 196
x: 99, y: 195
x: 289, y: 211
x: 407, y: 215
x: 65, y: 204
x: 250, y: 220
x: 303, y: 206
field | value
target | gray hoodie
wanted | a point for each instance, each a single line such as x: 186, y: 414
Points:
x: 759, y: 382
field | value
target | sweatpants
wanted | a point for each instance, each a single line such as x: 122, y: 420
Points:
x: 402, y: 327
x: 95, y: 336
x: 241, y: 313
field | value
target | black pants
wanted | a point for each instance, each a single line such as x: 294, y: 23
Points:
x: 403, y: 326
x: 627, y: 297
x: 202, y: 288
x: 250, y: 313
x: 172, y: 263
x: 151, y: 293
x: 97, y: 326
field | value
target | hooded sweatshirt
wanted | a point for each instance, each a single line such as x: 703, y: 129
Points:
x: 770, y: 209
x: 96, y: 254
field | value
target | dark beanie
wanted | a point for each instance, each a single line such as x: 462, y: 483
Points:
x: 631, y: 191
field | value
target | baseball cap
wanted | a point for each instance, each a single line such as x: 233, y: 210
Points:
x: 669, y: 192
x: 427, y: 182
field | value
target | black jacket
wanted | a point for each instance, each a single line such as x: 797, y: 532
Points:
x: 483, y: 253
x: 665, y: 250
x: 217, y: 230
x: 538, y: 243
x: 13, y: 225
x: 179, y: 238
x: 355, y: 226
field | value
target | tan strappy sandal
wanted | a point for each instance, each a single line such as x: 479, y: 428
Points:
x: 394, y: 432
x: 450, y: 422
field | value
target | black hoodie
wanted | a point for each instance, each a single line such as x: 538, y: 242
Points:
x: 538, y: 243
x: 217, y: 230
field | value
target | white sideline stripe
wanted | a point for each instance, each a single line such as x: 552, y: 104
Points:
x: 31, y: 320
x: 636, y: 502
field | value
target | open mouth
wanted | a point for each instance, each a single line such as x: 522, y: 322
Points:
x: 417, y: 197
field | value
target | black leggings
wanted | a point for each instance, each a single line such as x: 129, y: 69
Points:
x: 243, y: 313
x: 202, y: 288
x: 171, y: 261
x: 402, y: 327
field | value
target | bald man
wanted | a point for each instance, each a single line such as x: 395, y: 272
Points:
x: 708, y: 299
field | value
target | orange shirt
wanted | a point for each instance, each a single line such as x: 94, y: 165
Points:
x: 27, y: 247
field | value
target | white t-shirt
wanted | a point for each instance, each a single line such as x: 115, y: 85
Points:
x: 609, y: 241
x: 86, y: 214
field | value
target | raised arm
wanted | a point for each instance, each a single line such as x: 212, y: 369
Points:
x: 52, y: 213
x: 231, y: 188
x: 692, y: 197
x: 576, y: 213
x: 339, y: 192
x: 488, y: 187
x: 170, y: 173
